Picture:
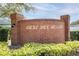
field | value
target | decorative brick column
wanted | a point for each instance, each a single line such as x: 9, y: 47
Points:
x: 66, y: 19
x: 14, y: 28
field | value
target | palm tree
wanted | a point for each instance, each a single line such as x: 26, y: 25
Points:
x: 7, y: 8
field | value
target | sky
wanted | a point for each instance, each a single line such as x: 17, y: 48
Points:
x: 54, y: 10
x: 50, y: 10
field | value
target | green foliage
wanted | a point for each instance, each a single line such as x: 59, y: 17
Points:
x: 75, y: 22
x: 4, y: 50
x: 38, y: 49
x: 0, y: 27
x: 74, y: 35
x: 3, y: 34
x: 8, y: 8
x: 73, y: 44
x: 61, y: 49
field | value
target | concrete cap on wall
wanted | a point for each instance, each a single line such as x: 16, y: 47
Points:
x: 64, y: 17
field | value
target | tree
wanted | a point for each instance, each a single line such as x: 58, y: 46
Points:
x: 75, y: 22
x: 7, y: 8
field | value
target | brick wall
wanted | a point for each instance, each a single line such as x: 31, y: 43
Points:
x: 39, y: 30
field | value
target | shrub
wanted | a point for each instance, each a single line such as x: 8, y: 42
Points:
x: 52, y: 49
x: 43, y: 51
x: 38, y: 49
x: 4, y: 50
x: 3, y: 34
x: 74, y: 35
x: 47, y: 49
x: 73, y: 44
x: 56, y: 50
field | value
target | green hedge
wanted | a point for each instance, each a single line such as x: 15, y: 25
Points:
x: 74, y: 35
x: 38, y: 49
x: 3, y: 34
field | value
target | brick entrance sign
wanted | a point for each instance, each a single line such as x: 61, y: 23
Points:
x: 39, y: 30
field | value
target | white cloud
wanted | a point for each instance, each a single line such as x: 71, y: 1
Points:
x: 69, y: 11
x: 67, y: 8
x: 45, y: 8
x: 55, y: 10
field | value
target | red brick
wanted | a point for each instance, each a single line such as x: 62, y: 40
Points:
x: 39, y: 30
